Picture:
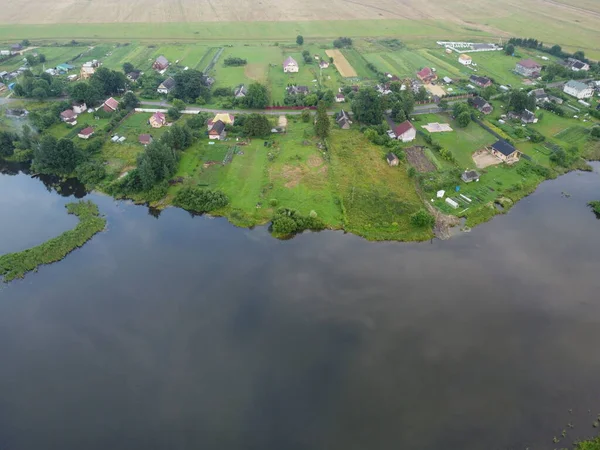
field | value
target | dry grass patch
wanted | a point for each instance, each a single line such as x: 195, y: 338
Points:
x: 483, y: 159
x: 341, y: 63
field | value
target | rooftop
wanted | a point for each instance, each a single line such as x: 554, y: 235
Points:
x: 503, y: 147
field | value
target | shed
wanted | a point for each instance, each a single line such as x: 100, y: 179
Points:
x: 470, y: 175
x: 392, y: 159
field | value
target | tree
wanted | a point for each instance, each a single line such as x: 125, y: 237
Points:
x: 89, y: 93
x: 173, y: 113
x: 305, y: 116
x: 157, y: 163
x: 128, y: 67
x: 90, y: 173
x: 41, y: 58
x: 39, y: 93
x: 331, y: 60
x: 422, y: 95
x: 56, y: 156
x: 130, y: 101
x: 458, y: 108
x: 463, y: 119
x: 422, y: 219
x: 189, y: 85
x: 595, y: 132
x: 7, y: 143
x: 519, y: 101
x: 109, y: 82
x: 307, y: 57
x: 31, y: 60
x: 299, y: 40
x: 556, y: 50
x: 367, y: 107
x: 178, y: 137
x: 200, y: 200
x: 257, y: 96
x: 509, y: 49
x: 342, y: 42
x: 25, y: 43
x: 179, y: 104
x: 579, y: 54
x: 322, y: 122
x: 257, y: 125
x: 443, y: 105
x: 488, y: 92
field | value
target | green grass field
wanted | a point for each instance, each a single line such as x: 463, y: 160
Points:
x: 257, y: 69
x: 462, y: 142
x: 377, y: 199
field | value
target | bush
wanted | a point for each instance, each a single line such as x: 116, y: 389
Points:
x: 422, y: 219
x: 234, y: 61
x: 342, y: 42
x: 200, y: 200
x: 289, y: 221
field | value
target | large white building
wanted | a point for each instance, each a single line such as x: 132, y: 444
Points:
x: 578, y: 89
x: 290, y: 65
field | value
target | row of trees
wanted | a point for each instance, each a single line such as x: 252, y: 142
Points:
x: 234, y: 61
x: 327, y: 96
x: 39, y: 87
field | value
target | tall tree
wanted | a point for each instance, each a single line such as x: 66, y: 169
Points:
x: 128, y: 67
x: 189, y: 86
x: 257, y: 96
x: 157, y: 163
x: 367, y: 107
x: 56, y: 156
x: 130, y: 101
x: 322, y: 123
x: 257, y: 125
x: 109, y: 82
x: 299, y: 40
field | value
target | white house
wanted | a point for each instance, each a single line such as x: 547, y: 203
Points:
x: 166, y: 86
x: 405, y: 132
x: 290, y: 65
x: 578, y: 89
x: 465, y: 60
x: 79, y: 108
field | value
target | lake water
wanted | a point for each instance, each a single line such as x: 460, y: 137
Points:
x: 185, y: 332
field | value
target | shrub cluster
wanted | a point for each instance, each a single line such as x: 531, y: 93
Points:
x: 289, y: 221
x: 200, y: 200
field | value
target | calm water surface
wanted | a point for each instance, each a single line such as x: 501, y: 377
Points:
x: 188, y: 333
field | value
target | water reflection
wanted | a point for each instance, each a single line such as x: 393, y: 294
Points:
x: 191, y: 333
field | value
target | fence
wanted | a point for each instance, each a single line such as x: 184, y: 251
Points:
x: 213, y: 61
x: 290, y: 108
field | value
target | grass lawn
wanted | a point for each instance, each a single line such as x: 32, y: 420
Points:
x: 355, y: 190
x: 278, y: 80
x: 123, y: 155
x: 462, y: 142
x: 358, y: 62
x: 259, y: 58
x: 501, y: 183
x: 377, y: 199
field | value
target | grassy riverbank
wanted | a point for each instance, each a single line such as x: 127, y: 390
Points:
x: 16, y: 265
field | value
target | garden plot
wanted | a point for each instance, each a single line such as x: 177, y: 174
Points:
x: 341, y: 63
x: 416, y: 158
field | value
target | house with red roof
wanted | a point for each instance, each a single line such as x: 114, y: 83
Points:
x: 157, y: 120
x: 69, y: 116
x: 426, y: 75
x: 405, y: 132
x: 86, y: 133
x: 110, y: 105
x: 528, y: 68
